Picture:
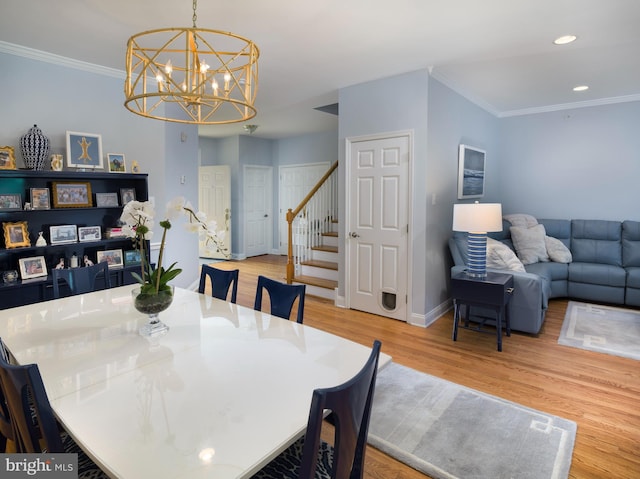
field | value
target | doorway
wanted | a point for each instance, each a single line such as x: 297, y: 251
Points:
x: 214, y: 200
x: 258, y: 209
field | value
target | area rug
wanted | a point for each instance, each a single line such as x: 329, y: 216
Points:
x: 448, y: 431
x: 604, y: 329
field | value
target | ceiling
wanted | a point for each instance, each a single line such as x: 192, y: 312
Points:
x: 497, y: 53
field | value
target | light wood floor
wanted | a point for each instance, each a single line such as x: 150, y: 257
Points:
x: 601, y: 393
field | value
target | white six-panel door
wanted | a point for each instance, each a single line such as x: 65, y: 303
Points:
x: 258, y: 205
x: 214, y: 199
x: 377, y: 228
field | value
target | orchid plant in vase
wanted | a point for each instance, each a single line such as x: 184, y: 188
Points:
x: 155, y: 294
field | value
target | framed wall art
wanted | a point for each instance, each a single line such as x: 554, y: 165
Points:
x: 10, y: 202
x: 71, y: 194
x: 113, y: 257
x: 40, y: 199
x: 132, y: 257
x: 116, y: 163
x: 63, y: 234
x: 106, y: 200
x: 34, y: 267
x: 126, y: 195
x: 89, y: 233
x: 84, y: 150
x: 7, y: 158
x: 471, y: 172
x: 16, y: 235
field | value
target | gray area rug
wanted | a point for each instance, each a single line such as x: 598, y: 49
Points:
x: 604, y: 329
x: 448, y: 431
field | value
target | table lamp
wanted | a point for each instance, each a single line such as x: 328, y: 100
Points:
x: 477, y: 219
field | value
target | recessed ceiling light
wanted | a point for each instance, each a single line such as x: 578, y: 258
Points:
x: 580, y: 88
x: 563, y: 40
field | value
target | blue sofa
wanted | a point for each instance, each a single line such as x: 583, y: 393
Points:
x: 605, y: 268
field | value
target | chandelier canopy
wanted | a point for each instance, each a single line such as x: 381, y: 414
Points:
x: 200, y: 76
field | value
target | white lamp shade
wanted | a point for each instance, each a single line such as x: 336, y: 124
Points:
x: 477, y: 217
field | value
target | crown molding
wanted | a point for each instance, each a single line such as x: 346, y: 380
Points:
x: 30, y: 53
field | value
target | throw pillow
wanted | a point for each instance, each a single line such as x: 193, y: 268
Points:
x: 557, y: 251
x: 529, y: 243
x: 500, y: 256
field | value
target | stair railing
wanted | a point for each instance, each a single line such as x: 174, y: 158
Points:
x: 310, y: 219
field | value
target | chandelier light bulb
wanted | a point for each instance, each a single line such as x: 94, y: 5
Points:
x: 168, y: 68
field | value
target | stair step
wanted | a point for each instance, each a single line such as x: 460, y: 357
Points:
x: 330, y: 249
x: 321, y: 264
x: 333, y: 234
x: 322, y: 283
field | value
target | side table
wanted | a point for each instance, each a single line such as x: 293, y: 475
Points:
x: 492, y: 292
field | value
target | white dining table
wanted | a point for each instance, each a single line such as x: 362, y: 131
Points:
x: 219, y: 395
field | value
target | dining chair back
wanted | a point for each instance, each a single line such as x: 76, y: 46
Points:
x: 81, y: 280
x: 6, y: 428
x: 350, y: 407
x: 281, y: 297
x: 221, y: 281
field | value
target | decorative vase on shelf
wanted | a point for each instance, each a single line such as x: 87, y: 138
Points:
x: 152, y: 304
x: 41, y: 241
x: 35, y: 148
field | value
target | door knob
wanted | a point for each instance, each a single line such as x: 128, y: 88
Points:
x: 353, y: 234
x: 266, y: 216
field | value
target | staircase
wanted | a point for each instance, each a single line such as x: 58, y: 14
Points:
x: 313, y: 239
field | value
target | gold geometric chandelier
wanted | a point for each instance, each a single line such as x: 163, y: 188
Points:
x: 206, y: 77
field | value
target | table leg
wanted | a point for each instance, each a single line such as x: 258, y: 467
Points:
x: 499, y: 328
x: 456, y: 318
x: 507, y: 318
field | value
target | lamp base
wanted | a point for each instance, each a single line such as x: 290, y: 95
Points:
x: 477, y: 255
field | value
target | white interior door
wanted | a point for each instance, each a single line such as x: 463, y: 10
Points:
x: 377, y: 233
x: 214, y: 200
x: 258, y: 206
x: 295, y: 183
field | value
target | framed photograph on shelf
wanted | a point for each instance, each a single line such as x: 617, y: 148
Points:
x: 34, y: 267
x: 7, y: 158
x: 113, y: 257
x: 126, y: 195
x: 106, y: 200
x: 116, y: 163
x: 40, y: 199
x: 89, y: 233
x: 84, y: 150
x: 132, y: 257
x: 63, y: 234
x: 471, y: 169
x: 71, y: 194
x: 16, y: 235
x: 10, y: 202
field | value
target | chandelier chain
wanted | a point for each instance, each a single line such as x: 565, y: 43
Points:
x: 195, y: 15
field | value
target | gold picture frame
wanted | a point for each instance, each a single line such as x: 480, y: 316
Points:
x: 71, y: 194
x: 16, y: 234
x: 7, y: 158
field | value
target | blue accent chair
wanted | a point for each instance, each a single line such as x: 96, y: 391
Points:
x: 282, y: 297
x: 81, y: 280
x: 221, y: 281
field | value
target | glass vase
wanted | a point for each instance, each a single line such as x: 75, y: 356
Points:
x: 152, y: 304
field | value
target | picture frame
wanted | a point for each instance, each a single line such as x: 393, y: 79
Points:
x: 116, y: 163
x: 107, y: 200
x: 471, y: 172
x: 89, y: 233
x: 40, y: 199
x: 33, y: 267
x: 10, y: 201
x: 132, y: 257
x: 7, y: 158
x: 113, y: 257
x: 126, y: 195
x: 63, y: 234
x: 16, y: 234
x: 84, y: 150
x: 71, y: 194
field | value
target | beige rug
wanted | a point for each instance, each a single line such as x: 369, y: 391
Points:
x: 452, y: 432
x: 605, y: 329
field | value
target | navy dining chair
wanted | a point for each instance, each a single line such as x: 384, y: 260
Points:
x: 282, y: 296
x: 350, y: 406
x: 81, y: 280
x: 221, y: 280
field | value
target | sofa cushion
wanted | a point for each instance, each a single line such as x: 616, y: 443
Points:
x: 595, y: 273
x: 633, y: 277
x: 500, y: 256
x: 630, y: 243
x: 559, y: 229
x: 529, y: 243
x: 596, y: 241
x: 552, y: 271
x: 557, y: 251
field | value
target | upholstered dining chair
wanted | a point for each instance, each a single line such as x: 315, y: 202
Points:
x: 6, y: 428
x: 81, y: 280
x: 350, y: 405
x: 35, y: 427
x: 221, y: 281
x: 281, y: 297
